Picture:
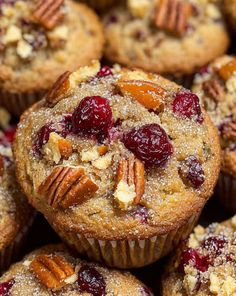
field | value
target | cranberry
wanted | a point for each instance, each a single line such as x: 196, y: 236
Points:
x: 204, y: 70
x: 92, y: 117
x: 195, y: 174
x: 214, y: 244
x: 91, y: 281
x: 10, y: 133
x: 187, y: 105
x: 201, y: 263
x: 141, y: 213
x: 104, y: 72
x: 149, y: 143
x: 66, y: 125
x: 6, y: 287
x: 42, y: 137
x: 145, y: 291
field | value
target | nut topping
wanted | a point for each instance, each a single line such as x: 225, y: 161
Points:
x: 58, y: 90
x: 67, y: 186
x: 48, y: 12
x: 52, y: 271
x: 229, y: 131
x: 130, y: 176
x: 227, y: 70
x: 149, y: 94
x: 173, y: 15
x: 1, y: 166
x: 214, y: 90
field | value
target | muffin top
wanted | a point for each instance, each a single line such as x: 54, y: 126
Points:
x: 117, y: 153
x: 165, y: 36
x: 205, y: 265
x: 43, y: 39
x: 52, y: 270
x: 216, y: 86
x: 12, y: 202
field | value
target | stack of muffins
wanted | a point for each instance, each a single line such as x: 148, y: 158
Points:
x: 119, y: 155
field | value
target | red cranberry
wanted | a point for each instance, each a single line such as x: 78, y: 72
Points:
x: 6, y: 287
x: 42, y: 137
x: 146, y: 292
x: 10, y: 133
x: 141, y: 213
x: 214, y: 244
x: 201, y: 263
x: 195, y: 173
x: 204, y: 70
x: 92, y: 117
x: 104, y: 72
x: 91, y: 281
x: 149, y: 143
x: 66, y: 125
x: 187, y: 105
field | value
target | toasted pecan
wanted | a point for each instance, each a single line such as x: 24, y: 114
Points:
x: 227, y: 70
x: 214, y: 90
x: 67, y: 186
x: 65, y: 148
x: 58, y: 90
x: 147, y: 93
x: 229, y: 131
x: 173, y: 15
x: 1, y: 165
x: 52, y: 270
x: 48, y: 12
x: 132, y: 171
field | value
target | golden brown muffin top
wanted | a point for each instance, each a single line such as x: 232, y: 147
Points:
x: 216, y: 86
x: 117, y: 153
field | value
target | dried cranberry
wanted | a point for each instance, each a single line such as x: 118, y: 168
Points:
x: 141, y: 213
x: 104, y: 72
x: 91, y: 281
x: 214, y: 244
x: 6, y: 287
x: 92, y: 117
x: 204, y: 70
x: 149, y: 143
x: 201, y: 263
x: 187, y: 105
x: 66, y: 125
x: 10, y: 133
x: 146, y: 292
x: 42, y: 137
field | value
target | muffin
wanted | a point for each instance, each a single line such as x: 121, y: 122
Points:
x: 99, y: 5
x: 230, y: 10
x: 205, y: 264
x: 216, y: 86
x: 40, y: 40
x: 16, y: 216
x: 120, y: 162
x: 165, y: 36
x: 52, y: 270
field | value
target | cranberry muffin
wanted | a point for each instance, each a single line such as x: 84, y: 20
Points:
x: 39, y: 40
x: 100, y: 5
x: 204, y: 264
x: 120, y: 162
x: 230, y: 11
x: 216, y: 86
x: 53, y: 270
x: 16, y: 216
x: 165, y: 36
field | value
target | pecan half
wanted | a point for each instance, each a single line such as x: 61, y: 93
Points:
x: 58, y: 90
x: 229, y: 131
x: 67, y: 186
x: 132, y: 172
x: 52, y: 270
x: 173, y: 15
x: 227, y: 70
x: 147, y: 93
x: 214, y: 90
x: 48, y: 12
x: 1, y: 165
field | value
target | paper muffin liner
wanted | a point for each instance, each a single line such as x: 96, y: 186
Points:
x: 17, y: 103
x: 127, y: 253
x: 11, y: 253
x: 226, y: 192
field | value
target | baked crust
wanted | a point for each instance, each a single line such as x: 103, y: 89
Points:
x: 113, y: 225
